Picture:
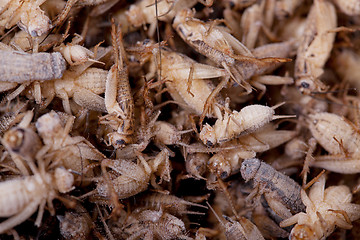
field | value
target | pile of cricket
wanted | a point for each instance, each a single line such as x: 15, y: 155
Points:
x: 179, y: 119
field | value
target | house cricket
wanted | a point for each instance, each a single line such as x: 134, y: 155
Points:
x: 280, y: 191
x: 315, y: 47
x: 170, y: 203
x: 325, y: 209
x: 233, y: 124
x: 74, y: 153
x: 128, y: 178
x: 22, y: 143
x: 23, y: 67
x: 76, y: 224
x: 227, y: 162
x: 177, y: 69
x: 151, y: 224
x: 81, y: 83
x: 145, y: 12
x: 340, y: 138
x: 27, y: 14
x: 23, y: 196
x: 222, y: 48
x: 119, y: 102
x: 242, y: 228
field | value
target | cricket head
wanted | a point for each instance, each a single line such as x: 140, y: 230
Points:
x: 249, y: 168
x: 208, y: 136
x: 302, y: 232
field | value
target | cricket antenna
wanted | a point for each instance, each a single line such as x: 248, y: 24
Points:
x: 158, y: 35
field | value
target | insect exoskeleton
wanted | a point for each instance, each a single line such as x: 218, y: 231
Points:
x: 128, y: 179
x: 75, y: 152
x: 242, y: 229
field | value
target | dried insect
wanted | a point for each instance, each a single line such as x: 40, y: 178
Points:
x: 22, y: 67
x: 280, y: 191
x: 23, y: 196
x: 81, y: 83
x: 170, y: 203
x: 232, y: 125
x: 325, y: 209
x: 226, y: 163
x: 315, y: 47
x: 119, y: 102
x: 251, y: 22
x: 22, y: 143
